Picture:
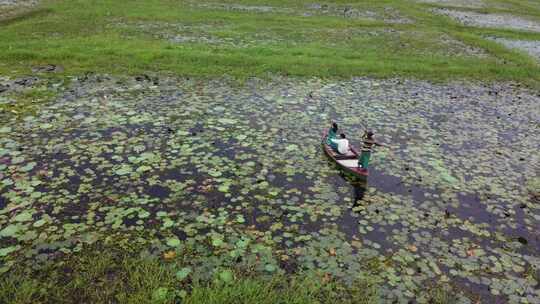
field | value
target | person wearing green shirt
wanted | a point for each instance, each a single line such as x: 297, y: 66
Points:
x: 332, y: 133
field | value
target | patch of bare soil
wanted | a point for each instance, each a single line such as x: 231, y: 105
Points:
x: 490, y: 20
x: 531, y: 47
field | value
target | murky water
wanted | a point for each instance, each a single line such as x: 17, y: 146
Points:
x: 218, y: 165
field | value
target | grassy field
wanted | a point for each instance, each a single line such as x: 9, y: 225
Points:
x: 135, y: 37
x: 109, y: 275
x: 114, y: 274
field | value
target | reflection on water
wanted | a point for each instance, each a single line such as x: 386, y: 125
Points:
x: 359, y: 190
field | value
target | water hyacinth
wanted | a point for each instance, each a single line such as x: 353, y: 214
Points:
x: 238, y: 171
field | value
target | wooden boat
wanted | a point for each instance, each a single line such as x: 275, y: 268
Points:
x: 348, y: 162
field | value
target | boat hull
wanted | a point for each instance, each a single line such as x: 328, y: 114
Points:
x: 349, y: 162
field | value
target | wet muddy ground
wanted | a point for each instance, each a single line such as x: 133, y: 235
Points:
x: 531, y: 47
x: 387, y: 14
x: 505, y: 21
x: 457, y: 3
x: 179, y: 33
x: 10, y: 3
x: 238, y: 171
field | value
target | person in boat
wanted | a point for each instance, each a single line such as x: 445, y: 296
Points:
x: 332, y: 133
x: 368, y: 142
x: 342, y: 144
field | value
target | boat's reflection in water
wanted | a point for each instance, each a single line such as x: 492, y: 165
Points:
x: 359, y: 187
x: 359, y: 190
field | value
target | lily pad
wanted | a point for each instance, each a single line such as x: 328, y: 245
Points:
x: 217, y: 240
x: 28, y: 167
x: 10, y: 230
x: 24, y: 216
x: 270, y: 268
x: 173, y: 242
x: 160, y: 295
x: 292, y: 147
x: 183, y: 273
x: 8, y: 250
x: 123, y: 170
x: 226, y: 276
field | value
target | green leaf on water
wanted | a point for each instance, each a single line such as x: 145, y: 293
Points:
x: 182, y: 293
x: 10, y: 231
x: 224, y: 188
x: 227, y: 121
x: 143, y: 168
x: 144, y: 214
x: 139, y: 148
x: 217, y: 240
x: 173, y: 242
x: 167, y: 223
x: 8, y: 250
x: 240, y: 219
x: 226, y: 276
x: 292, y: 147
x: 160, y: 295
x: 214, y: 173
x: 24, y: 216
x: 17, y: 160
x: 242, y: 243
x: 123, y: 170
x: 28, y: 166
x: 39, y: 223
x: 183, y: 273
x: 270, y: 268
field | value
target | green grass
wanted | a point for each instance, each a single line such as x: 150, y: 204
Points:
x: 442, y: 295
x: 280, y: 289
x: 82, y: 36
x: 127, y: 274
x: 109, y: 275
